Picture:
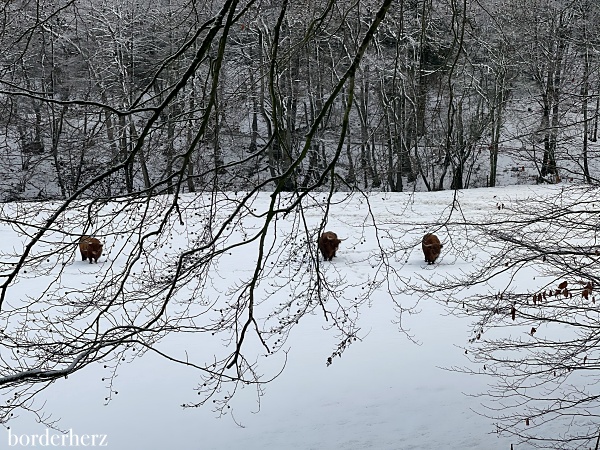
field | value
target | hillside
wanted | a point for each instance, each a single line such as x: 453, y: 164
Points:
x: 394, y: 386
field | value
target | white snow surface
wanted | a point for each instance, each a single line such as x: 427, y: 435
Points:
x: 386, y: 392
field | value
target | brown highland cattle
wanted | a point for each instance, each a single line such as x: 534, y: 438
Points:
x: 90, y: 248
x: 328, y: 244
x: 431, y: 247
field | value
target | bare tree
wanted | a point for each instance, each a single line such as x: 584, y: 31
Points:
x: 532, y: 298
x: 125, y: 313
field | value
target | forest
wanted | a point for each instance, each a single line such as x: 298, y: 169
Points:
x: 110, y: 98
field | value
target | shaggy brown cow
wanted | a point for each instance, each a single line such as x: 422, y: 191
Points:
x: 328, y: 244
x: 90, y: 248
x: 431, y: 247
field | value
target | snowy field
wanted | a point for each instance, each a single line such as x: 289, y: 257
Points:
x: 392, y: 390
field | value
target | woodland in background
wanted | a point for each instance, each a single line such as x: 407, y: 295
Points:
x: 449, y: 94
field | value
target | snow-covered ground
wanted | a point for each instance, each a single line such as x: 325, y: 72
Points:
x: 388, y: 391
